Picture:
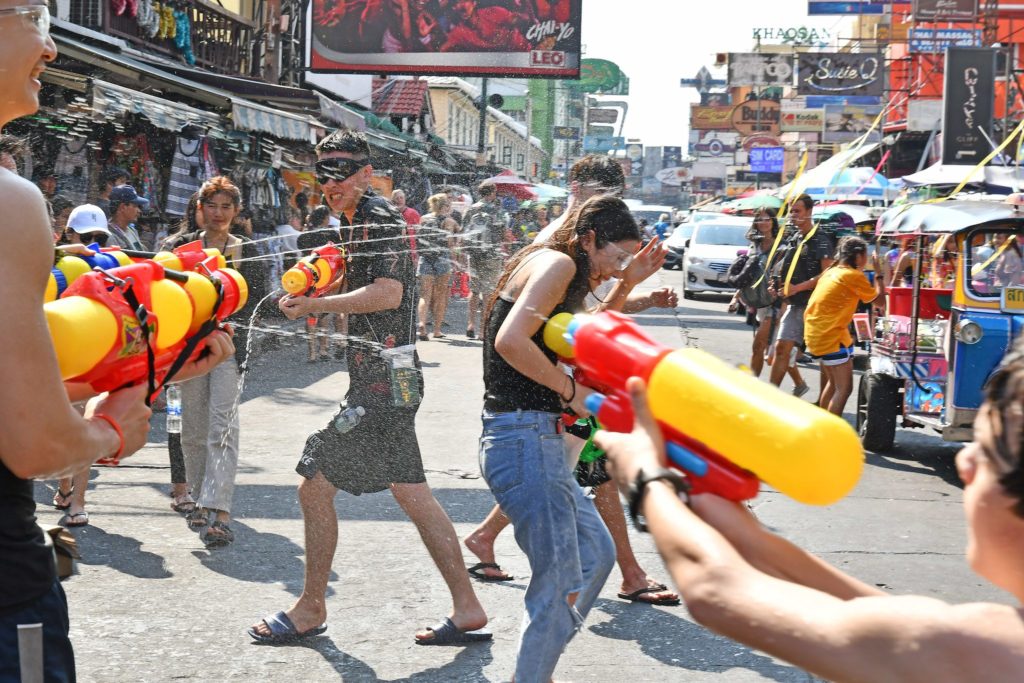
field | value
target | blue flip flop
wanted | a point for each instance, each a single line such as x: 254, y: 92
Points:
x: 447, y: 633
x: 283, y: 631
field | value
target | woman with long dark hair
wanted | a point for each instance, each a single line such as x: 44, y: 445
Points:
x: 522, y: 456
x: 842, y: 287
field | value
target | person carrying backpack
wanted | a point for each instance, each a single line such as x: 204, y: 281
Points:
x: 752, y: 282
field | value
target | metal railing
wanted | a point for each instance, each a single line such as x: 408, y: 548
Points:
x: 221, y: 41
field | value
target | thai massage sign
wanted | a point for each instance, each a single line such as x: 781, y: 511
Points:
x: 841, y: 73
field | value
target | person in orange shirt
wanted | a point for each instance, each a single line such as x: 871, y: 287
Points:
x: 829, y: 313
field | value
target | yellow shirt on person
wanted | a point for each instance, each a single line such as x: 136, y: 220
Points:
x: 831, y: 308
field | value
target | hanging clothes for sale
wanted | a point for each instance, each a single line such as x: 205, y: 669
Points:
x: 183, y: 36
x: 188, y: 171
x: 71, y: 169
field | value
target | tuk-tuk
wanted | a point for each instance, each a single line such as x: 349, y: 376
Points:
x: 944, y: 334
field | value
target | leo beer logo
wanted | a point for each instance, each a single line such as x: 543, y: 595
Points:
x: 547, y: 58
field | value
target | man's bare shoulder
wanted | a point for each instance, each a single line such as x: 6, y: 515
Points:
x: 25, y: 223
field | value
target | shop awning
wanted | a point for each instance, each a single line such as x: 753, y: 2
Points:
x: 340, y: 114
x: 250, y: 116
x: 246, y: 115
x: 109, y: 99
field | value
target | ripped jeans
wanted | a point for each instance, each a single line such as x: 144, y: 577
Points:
x: 522, y: 458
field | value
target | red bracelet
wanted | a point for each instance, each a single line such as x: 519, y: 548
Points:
x: 120, y: 435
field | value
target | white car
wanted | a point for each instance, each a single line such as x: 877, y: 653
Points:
x: 676, y: 242
x: 715, y: 244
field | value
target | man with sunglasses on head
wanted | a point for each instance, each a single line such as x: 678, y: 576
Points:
x: 42, y: 435
x: 380, y: 451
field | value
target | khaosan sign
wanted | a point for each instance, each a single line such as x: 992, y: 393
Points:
x: 841, y: 73
x: 503, y: 38
x: 968, y: 110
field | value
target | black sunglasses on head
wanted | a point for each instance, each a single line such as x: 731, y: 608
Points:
x: 338, y: 169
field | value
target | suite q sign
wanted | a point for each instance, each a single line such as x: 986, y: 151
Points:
x: 458, y: 37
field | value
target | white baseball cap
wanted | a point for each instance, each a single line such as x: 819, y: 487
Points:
x: 88, y: 218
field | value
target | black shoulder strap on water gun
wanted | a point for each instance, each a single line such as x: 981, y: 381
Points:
x: 142, y: 315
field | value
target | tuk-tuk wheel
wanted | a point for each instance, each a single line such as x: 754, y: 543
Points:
x: 877, y: 407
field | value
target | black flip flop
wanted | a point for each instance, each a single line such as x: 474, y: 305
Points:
x: 658, y: 588
x: 282, y: 631
x: 447, y: 633
x: 476, y: 571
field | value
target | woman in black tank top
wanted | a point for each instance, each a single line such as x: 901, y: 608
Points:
x: 522, y: 456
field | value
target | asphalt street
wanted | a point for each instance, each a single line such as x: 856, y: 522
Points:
x: 150, y: 603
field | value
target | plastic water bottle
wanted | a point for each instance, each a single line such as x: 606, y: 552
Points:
x: 173, y: 394
x: 347, y: 419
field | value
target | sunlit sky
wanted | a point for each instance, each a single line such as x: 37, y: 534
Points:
x: 657, y: 42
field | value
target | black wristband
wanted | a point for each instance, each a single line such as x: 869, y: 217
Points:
x: 639, y: 487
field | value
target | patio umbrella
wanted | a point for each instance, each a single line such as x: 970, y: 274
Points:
x: 510, y: 185
x: 860, y: 182
x: 756, y: 202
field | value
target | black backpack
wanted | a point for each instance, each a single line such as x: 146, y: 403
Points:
x: 743, y: 272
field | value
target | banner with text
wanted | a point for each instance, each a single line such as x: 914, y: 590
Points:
x: 969, y: 104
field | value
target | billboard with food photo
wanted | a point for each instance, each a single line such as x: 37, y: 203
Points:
x: 525, y: 38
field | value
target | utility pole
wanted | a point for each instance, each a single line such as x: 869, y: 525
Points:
x: 527, y: 169
x: 481, y: 147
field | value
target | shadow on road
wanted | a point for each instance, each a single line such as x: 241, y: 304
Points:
x: 467, y: 666
x: 121, y: 553
x: 257, y: 557
x: 920, y: 453
x: 675, y: 641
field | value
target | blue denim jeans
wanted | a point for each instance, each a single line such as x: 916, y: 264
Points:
x: 50, y: 610
x: 522, y: 458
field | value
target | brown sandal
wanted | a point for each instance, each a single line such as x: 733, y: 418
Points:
x: 183, y: 504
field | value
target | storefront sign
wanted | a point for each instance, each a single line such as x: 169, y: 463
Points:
x: 709, y: 184
x: 671, y: 156
x: 841, y: 73
x: 802, y: 120
x: 967, y: 119
x: 821, y: 101
x: 756, y: 116
x: 945, y: 10
x: 675, y: 176
x: 595, y: 143
x: 847, y: 123
x: 938, y: 40
x: 767, y: 159
x: 816, y: 8
x: 602, y: 115
x: 754, y: 68
x: 715, y: 99
x: 710, y: 118
x: 704, y: 144
x: 565, y: 133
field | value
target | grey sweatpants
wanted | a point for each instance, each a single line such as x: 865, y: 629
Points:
x: 209, y: 435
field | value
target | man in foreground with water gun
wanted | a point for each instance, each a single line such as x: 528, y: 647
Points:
x: 374, y: 446
x: 42, y: 435
x: 742, y: 581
